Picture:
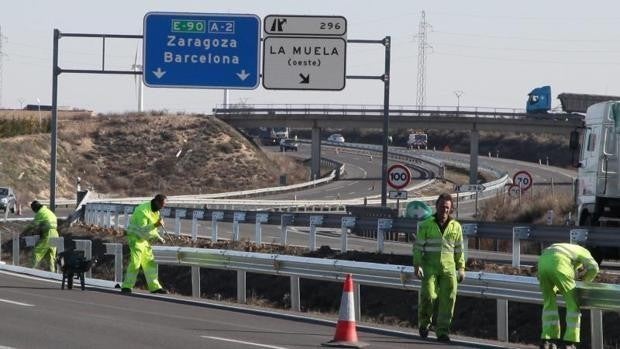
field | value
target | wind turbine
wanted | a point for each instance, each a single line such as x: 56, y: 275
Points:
x: 138, y: 81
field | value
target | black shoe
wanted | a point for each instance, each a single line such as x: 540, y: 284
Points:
x: 126, y: 290
x: 548, y: 344
x: 423, y: 332
x: 443, y: 338
x: 160, y: 291
x: 570, y: 345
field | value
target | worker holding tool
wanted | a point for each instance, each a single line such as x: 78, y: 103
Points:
x: 45, y: 223
x: 439, y: 262
x: 559, y: 266
x: 141, y: 230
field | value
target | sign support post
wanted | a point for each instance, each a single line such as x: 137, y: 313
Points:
x: 386, y: 42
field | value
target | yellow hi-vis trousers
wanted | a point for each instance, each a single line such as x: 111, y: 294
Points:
x: 141, y: 256
x: 43, y: 249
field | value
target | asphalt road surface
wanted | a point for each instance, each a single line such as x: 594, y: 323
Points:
x: 38, y: 314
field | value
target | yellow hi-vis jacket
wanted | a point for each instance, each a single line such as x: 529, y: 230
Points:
x: 566, y: 259
x: 142, y: 223
x: 46, y: 220
x: 437, y: 252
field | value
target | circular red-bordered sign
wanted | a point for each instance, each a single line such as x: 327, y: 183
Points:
x: 523, y: 179
x: 398, y: 176
x: 514, y: 191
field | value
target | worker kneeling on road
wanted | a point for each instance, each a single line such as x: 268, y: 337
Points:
x: 46, y: 223
x: 141, y: 230
x: 439, y: 262
x: 558, y: 268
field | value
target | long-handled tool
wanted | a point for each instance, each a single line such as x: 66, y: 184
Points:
x: 166, y: 232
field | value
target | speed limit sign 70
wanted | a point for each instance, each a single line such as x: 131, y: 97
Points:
x: 523, y: 179
x: 398, y: 176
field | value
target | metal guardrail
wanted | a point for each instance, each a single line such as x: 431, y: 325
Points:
x: 108, y: 215
x: 502, y: 288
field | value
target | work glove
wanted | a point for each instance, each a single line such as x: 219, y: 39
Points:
x: 159, y: 223
x: 419, y: 273
x: 162, y: 240
x: 460, y: 276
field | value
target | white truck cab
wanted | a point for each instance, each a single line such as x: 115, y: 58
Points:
x: 598, y: 196
x: 598, y: 189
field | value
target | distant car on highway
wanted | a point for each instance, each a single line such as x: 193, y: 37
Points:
x: 289, y: 144
x: 336, y: 138
x: 7, y: 199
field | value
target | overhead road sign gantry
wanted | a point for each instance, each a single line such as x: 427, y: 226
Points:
x: 304, y: 52
x: 201, y: 50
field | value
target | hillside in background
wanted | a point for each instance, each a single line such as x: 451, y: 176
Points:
x: 139, y: 155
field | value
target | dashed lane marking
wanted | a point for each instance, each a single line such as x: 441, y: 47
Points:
x: 244, y: 342
x: 16, y: 303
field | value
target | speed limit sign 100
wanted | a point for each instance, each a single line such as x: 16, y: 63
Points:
x: 398, y: 176
x: 523, y: 179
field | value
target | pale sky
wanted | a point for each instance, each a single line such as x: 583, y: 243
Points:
x: 493, y: 51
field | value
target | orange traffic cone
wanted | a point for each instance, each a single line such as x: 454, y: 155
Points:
x: 346, y: 332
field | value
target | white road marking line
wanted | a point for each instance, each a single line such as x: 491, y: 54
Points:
x: 16, y: 303
x: 243, y: 342
x: 5, y: 347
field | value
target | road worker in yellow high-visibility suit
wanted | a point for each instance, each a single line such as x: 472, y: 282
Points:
x: 439, y: 262
x: 141, y: 230
x: 46, y: 223
x: 558, y: 267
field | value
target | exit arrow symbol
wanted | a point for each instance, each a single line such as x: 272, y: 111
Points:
x: 305, y: 79
x: 243, y: 75
x: 159, y: 73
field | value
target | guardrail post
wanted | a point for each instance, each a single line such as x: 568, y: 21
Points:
x: 578, y: 236
x: 295, y: 294
x: 241, y: 286
x: 518, y: 234
x: 596, y: 326
x: 314, y: 221
x: 59, y: 243
x: 15, y: 248
x: 470, y: 230
x: 502, y: 320
x: 165, y: 213
x: 128, y: 211
x: 356, y: 298
x: 285, y: 220
x: 96, y: 214
x: 116, y: 249
x: 195, y: 281
x: 178, y: 214
x: 87, y: 247
x: 107, y: 216
x: 237, y: 217
x: 383, y: 226
x: 345, y: 224
x: 215, y: 216
x: 258, y: 230
x: 196, y: 215
x: 116, y: 218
